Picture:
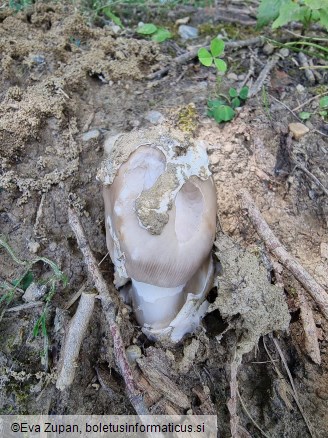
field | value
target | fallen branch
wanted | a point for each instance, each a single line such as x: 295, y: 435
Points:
x: 76, y: 331
x: 189, y: 56
x: 311, y: 343
x: 109, y: 309
x: 316, y: 291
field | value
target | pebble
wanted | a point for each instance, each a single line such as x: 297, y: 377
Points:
x: 187, y: 32
x: 154, y: 117
x: 324, y: 250
x: 183, y: 20
x: 53, y: 246
x: 300, y: 89
x: 241, y: 77
x: 232, y: 77
x: 33, y: 246
x: 91, y: 135
x: 298, y: 130
x: 133, y: 352
x: 268, y: 49
x: 284, y: 52
x: 34, y: 292
x: 309, y: 124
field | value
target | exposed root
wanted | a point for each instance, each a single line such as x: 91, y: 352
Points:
x: 316, y: 291
x: 109, y: 309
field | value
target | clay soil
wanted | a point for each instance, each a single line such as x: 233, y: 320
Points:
x: 64, y: 86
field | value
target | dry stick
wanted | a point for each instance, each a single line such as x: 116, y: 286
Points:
x: 314, y: 178
x: 311, y: 343
x: 249, y: 415
x: 316, y: 291
x: 297, y: 108
x: 232, y: 402
x: 282, y: 357
x: 109, y: 311
x: 74, y: 337
x: 263, y: 75
x: 186, y: 57
x: 304, y: 63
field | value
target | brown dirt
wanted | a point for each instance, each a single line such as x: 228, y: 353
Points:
x: 61, y: 78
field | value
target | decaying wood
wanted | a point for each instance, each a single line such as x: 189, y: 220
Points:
x: 316, y: 291
x: 109, y: 310
x: 163, y: 384
x: 188, y: 56
x: 311, y: 343
x: 75, y: 334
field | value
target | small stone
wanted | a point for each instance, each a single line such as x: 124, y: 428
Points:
x: 268, y: 49
x: 232, y: 77
x: 324, y: 250
x: 187, y: 32
x: 33, y: 246
x: 94, y: 134
x: 34, y: 292
x: 309, y: 124
x: 298, y: 130
x: 284, y: 52
x: 53, y: 246
x: 300, y: 89
x: 154, y: 117
x: 241, y: 77
x: 133, y: 352
x: 115, y: 28
x: 183, y: 20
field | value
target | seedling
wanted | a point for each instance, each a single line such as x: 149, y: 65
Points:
x: 158, y: 34
x: 221, y: 108
x: 208, y: 58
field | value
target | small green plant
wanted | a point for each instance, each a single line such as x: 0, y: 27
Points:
x: 114, y: 18
x: 158, y: 34
x: 208, y: 58
x: 18, y: 5
x: 222, y: 107
x: 323, y: 110
x: 282, y: 12
x: 24, y: 281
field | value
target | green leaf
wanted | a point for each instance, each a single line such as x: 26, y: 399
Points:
x: 235, y: 103
x: 220, y: 65
x: 223, y: 113
x: 323, y: 102
x: 212, y: 104
x: 205, y: 57
x: 323, y: 113
x: 304, y: 115
x: 323, y: 20
x: 288, y: 12
x: 161, y: 35
x: 217, y: 47
x: 233, y: 92
x: 268, y: 11
x: 115, y: 19
x: 147, y: 29
x: 243, y: 93
x: 316, y: 4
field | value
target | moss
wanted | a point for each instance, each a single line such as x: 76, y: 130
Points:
x: 233, y: 30
x: 187, y: 118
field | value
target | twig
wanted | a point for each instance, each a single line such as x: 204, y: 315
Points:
x: 75, y: 297
x: 109, y: 311
x: 232, y: 402
x: 282, y: 357
x: 188, y: 56
x: 311, y: 343
x: 304, y: 63
x: 316, y: 291
x: 24, y: 306
x: 74, y: 337
x: 250, y: 417
x: 314, y: 178
x: 297, y: 108
x: 250, y: 72
x: 263, y: 75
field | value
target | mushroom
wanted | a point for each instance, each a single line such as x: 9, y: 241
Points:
x: 160, y: 216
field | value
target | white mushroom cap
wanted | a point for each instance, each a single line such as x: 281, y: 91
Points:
x: 172, y: 256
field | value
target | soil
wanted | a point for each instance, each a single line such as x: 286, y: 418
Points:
x: 64, y: 86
